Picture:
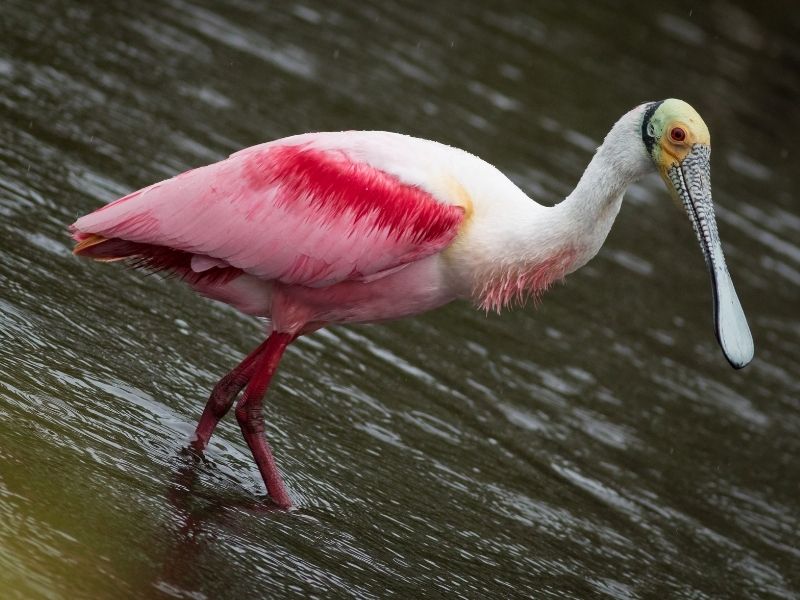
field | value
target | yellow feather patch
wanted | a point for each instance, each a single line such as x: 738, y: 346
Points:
x: 455, y: 191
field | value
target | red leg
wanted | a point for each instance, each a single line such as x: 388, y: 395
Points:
x: 222, y: 397
x: 248, y: 413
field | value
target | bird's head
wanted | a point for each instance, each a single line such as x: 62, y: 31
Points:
x: 678, y: 142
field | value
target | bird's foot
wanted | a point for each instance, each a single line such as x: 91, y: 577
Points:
x: 195, y: 450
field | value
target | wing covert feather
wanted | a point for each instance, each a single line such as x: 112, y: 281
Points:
x: 288, y: 212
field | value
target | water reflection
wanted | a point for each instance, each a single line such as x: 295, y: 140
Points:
x: 195, y: 515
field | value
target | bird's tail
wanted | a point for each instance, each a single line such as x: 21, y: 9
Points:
x: 151, y: 257
x: 97, y: 247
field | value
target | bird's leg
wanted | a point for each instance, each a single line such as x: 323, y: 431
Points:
x: 248, y: 413
x: 222, y: 397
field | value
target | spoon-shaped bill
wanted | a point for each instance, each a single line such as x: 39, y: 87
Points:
x: 733, y: 332
x: 691, y: 181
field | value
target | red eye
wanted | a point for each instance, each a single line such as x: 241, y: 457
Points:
x: 677, y: 134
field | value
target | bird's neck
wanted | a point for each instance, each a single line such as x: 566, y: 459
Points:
x: 545, y: 244
x: 586, y: 215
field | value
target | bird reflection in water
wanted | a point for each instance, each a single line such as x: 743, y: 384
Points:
x: 194, y: 519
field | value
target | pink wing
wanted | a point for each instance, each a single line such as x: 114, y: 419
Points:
x: 281, y: 211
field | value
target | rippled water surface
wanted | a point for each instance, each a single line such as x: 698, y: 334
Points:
x: 595, y: 446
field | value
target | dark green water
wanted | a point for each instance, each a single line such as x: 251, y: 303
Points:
x: 596, y: 446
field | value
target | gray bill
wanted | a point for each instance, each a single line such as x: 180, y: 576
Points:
x: 692, y: 182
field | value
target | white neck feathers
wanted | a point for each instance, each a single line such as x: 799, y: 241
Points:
x: 545, y: 244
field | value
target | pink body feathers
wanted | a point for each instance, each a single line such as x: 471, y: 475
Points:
x: 252, y: 228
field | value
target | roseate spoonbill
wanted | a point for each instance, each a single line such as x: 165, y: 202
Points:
x: 363, y: 226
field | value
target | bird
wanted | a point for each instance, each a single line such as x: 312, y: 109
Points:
x: 331, y: 228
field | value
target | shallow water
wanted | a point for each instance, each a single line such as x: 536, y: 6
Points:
x: 596, y: 446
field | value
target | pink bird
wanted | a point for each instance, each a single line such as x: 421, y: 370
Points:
x: 364, y: 226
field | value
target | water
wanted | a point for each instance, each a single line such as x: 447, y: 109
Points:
x: 596, y: 446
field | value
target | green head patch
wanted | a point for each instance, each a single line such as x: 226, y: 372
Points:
x: 670, y: 129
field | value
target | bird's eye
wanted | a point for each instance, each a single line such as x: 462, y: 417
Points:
x: 678, y: 134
